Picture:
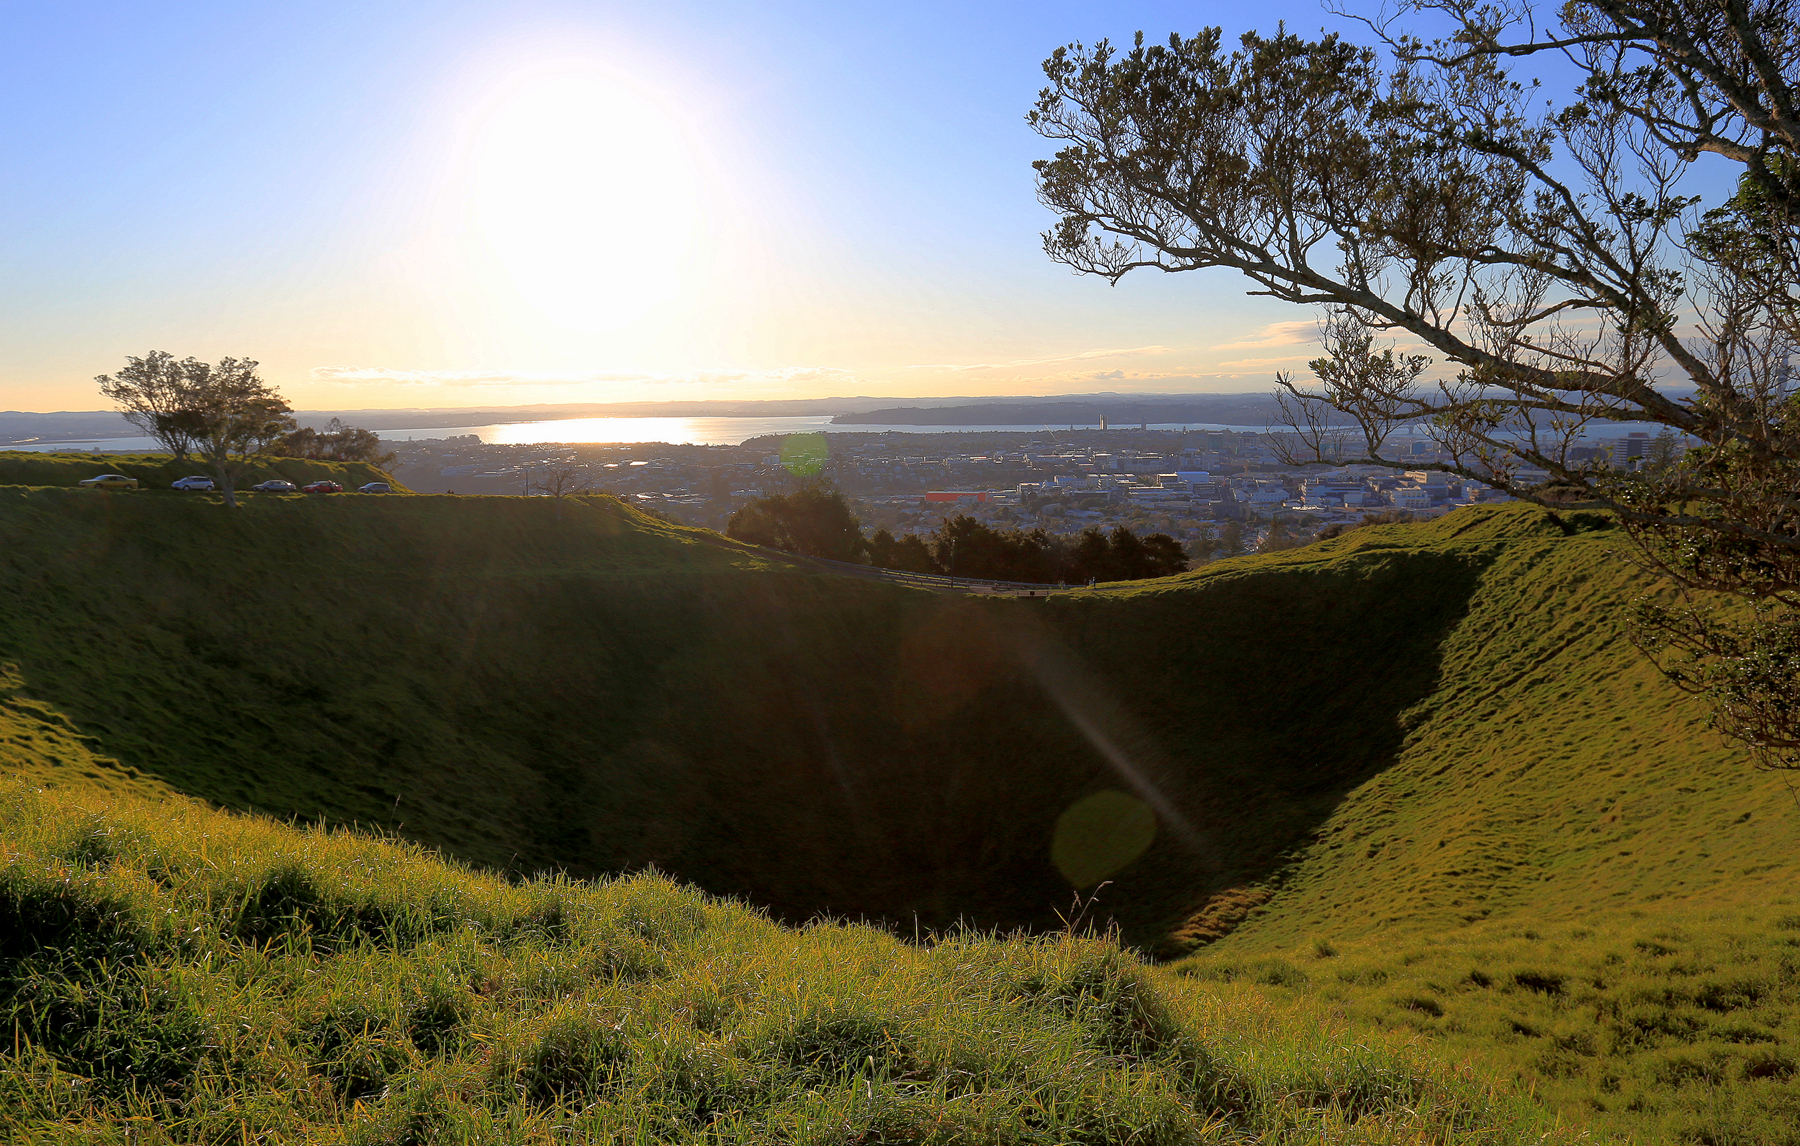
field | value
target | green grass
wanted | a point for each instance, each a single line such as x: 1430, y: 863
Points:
x: 156, y: 471
x: 1385, y: 768
x: 1563, y: 872
x: 174, y: 974
x: 1669, y: 1026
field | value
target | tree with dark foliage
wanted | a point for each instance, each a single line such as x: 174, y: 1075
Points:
x: 964, y: 547
x: 907, y: 554
x: 226, y: 414
x: 813, y: 521
x: 1551, y: 259
x: 336, y: 443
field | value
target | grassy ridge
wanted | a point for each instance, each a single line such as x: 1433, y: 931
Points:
x: 156, y: 471
x: 537, y: 684
x: 1563, y: 871
x: 173, y: 974
x: 1415, y: 775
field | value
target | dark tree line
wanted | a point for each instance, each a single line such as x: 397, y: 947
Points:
x: 817, y: 522
x: 964, y: 547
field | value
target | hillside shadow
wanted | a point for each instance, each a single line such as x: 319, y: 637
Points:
x: 916, y: 774
x: 1271, y: 696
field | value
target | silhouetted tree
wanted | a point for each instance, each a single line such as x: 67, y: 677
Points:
x: 1090, y: 559
x: 225, y: 414
x: 1163, y: 556
x: 1231, y: 539
x: 813, y: 521
x: 336, y: 443
x: 908, y: 554
x: 966, y: 547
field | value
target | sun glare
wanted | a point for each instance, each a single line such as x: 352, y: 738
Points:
x: 586, y: 194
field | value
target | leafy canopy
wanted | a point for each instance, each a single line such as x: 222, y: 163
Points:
x: 226, y: 414
x: 1547, y: 264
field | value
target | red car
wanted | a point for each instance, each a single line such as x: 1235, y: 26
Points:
x: 322, y: 487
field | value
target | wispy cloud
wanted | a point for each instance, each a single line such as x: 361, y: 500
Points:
x: 785, y: 377
x: 1242, y: 364
x: 1083, y: 356
x: 1277, y: 334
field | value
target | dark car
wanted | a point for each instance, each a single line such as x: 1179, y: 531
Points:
x: 376, y: 487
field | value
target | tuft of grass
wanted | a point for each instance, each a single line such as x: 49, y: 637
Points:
x: 218, y: 978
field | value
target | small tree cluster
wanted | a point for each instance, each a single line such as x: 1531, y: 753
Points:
x: 816, y: 521
x: 813, y: 521
x: 335, y: 443
x: 224, y: 414
x: 964, y: 547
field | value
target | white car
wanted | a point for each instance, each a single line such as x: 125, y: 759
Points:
x: 196, y: 481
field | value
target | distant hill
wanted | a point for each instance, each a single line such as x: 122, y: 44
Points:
x: 1120, y: 410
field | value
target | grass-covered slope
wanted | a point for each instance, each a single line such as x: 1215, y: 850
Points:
x: 1414, y: 774
x: 534, y: 684
x: 171, y: 974
x: 1562, y: 870
x: 1550, y: 768
x: 156, y: 471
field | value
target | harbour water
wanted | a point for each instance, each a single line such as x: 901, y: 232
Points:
x: 693, y: 431
x: 624, y: 431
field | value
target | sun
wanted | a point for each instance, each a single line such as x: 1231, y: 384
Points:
x: 585, y: 191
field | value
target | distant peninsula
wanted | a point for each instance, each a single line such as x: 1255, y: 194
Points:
x: 1256, y: 410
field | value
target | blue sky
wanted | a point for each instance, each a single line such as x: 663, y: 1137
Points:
x: 774, y: 200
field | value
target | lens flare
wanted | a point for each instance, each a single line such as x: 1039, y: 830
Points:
x: 1100, y: 835
x: 804, y: 454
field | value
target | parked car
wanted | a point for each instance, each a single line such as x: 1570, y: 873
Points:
x: 196, y: 481
x: 273, y: 485
x: 110, y: 481
x: 322, y: 487
x: 375, y: 487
